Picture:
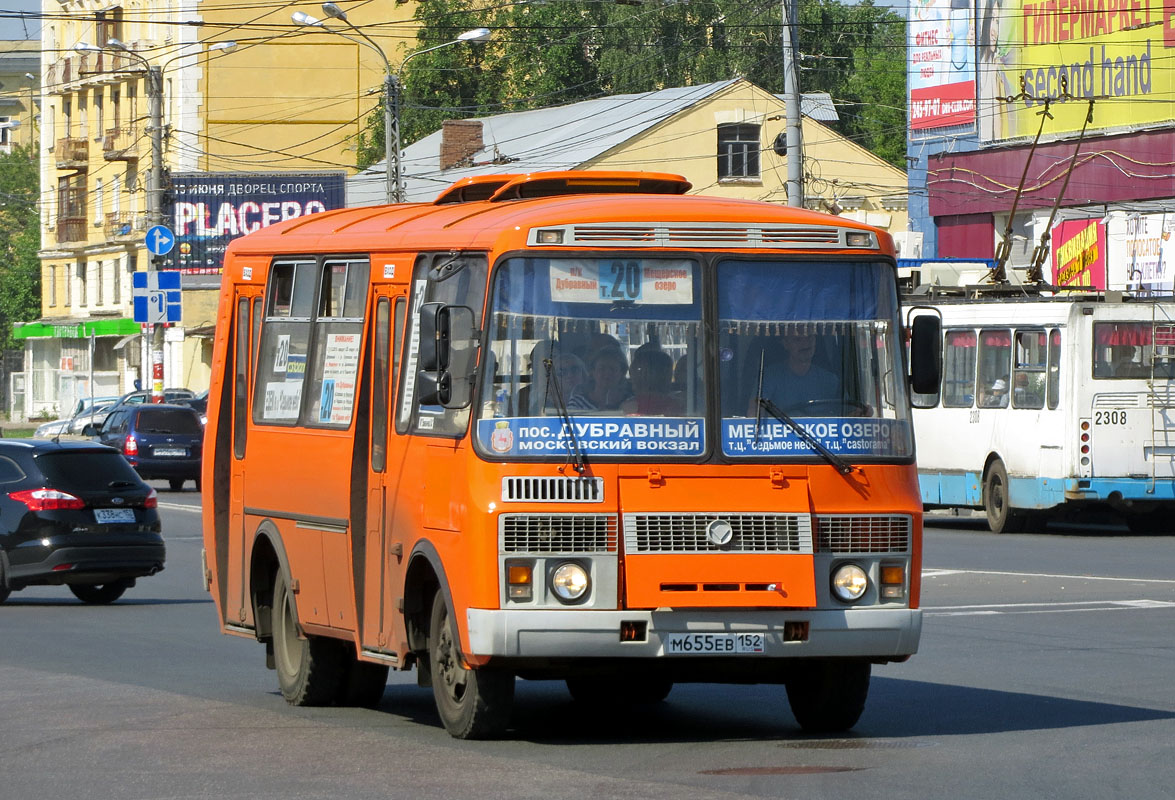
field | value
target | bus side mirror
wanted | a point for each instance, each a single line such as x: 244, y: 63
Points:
x: 926, y: 354
x: 448, y: 355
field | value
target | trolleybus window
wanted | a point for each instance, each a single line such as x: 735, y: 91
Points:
x: 1054, y: 388
x: 1028, y: 377
x: 815, y: 342
x: 958, y: 369
x: 613, y: 344
x: 995, y: 353
x: 1130, y: 349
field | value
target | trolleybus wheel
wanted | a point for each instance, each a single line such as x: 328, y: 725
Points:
x: 472, y: 703
x: 828, y: 696
x: 1001, y: 517
x: 619, y: 689
x: 99, y: 595
x: 310, y: 669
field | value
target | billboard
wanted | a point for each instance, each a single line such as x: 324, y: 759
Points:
x: 941, y: 68
x: 1079, y: 254
x: 210, y: 209
x: 1115, y: 52
x: 1142, y: 252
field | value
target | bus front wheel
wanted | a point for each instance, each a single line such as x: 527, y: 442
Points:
x: 828, y: 696
x: 472, y: 703
x: 309, y: 669
x: 1001, y: 517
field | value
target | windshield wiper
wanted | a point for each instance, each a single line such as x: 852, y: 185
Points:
x: 763, y: 404
x: 578, y: 459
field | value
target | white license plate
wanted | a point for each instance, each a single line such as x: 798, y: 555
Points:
x: 713, y: 644
x: 114, y: 514
x: 171, y: 451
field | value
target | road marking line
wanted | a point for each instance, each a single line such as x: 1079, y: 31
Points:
x: 935, y: 573
x: 180, y: 507
x: 1045, y: 608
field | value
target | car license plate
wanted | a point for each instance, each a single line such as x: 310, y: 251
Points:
x: 179, y: 452
x: 713, y: 644
x: 114, y: 514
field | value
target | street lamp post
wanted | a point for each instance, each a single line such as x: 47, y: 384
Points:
x: 154, y: 78
x: 394, y: 186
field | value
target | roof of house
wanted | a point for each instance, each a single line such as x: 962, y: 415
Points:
x: 557, y: 138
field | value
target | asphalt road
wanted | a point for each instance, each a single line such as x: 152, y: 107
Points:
x: 1045, y: 671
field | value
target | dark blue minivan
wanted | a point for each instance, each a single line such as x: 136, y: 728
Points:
x: 159, y: 440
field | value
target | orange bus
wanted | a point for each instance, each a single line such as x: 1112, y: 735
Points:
x: 571, y: 426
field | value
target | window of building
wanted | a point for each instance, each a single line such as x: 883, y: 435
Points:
x: 116, y: 284
x: 99, y: 116
x: 108, y: 25
x: 52, y: 285
x: 98, y: 202
x: 115, y: 195
x: 83, y: 116
x: 67, y: 117
x: 5, y: 132
x: 738, y: 151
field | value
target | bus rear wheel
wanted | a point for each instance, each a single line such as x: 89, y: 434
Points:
x: 1001, y: 517
x: 828, y: 696
x: 309, y: 669
x: 472, y: 703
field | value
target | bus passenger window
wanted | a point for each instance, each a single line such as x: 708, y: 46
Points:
x: 285, y: 343
x: 1054, y: 379
x: 333, y: 369
x: 958, y: 369
x: 995, y: 350
x: 1029, y: 375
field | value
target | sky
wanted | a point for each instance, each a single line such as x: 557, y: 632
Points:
x: 15, y: 28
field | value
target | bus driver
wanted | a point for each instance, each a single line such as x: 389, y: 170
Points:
x: 798, y: 382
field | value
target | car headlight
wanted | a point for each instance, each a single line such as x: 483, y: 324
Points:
x: 569, y: 582
x: 849, y: 583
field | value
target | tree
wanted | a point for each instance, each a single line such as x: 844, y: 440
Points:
x: 20, y: 239
x: 563, y: 51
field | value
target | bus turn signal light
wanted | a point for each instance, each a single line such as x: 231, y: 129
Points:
x: 519, y: 581
x: 893, y: 579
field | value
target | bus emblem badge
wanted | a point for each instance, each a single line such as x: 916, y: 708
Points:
x: 719, y: 533
x: 502, y: 438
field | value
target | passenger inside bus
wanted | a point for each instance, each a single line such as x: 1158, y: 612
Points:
x: 607, y: 385
x: 995, y: 396
x: 538, y: 397
x: 652, y: 384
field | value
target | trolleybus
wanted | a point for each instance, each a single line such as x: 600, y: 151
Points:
x: 1049, y: 406
x: 548, y: 427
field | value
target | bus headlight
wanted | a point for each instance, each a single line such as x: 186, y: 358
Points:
x: 849, y: 583
x: 569, y: 582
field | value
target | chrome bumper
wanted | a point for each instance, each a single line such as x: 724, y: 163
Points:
x: 569, y: 633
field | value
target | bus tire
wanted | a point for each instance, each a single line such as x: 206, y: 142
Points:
x: 1001, y: 517
x: 618, y: 690
x: 310, y: 669
x: 828, y: 696
x: 472, y: 703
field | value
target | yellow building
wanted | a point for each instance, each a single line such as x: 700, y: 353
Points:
x: 241, y: 90
x: 721, y: 136
x: 20, y: 76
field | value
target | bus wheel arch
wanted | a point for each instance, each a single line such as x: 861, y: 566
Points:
x: 997, y: 507
x: 266, y: 559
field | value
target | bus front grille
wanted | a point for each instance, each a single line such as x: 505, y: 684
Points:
x: 863, y: 534
x: 557, y: 533
x: 707, y: 533
x: 552, y: 490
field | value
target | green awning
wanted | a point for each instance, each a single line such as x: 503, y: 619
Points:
x: 76, y: 330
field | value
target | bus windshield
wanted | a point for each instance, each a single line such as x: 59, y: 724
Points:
x: 615, y: 343
x: 818, y: 341
x: 612, y: 348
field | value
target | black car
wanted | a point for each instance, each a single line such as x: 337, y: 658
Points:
x: 159, y: 441
x: 74, y: 513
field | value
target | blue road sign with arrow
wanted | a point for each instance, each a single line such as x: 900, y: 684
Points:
x: 160, y: 240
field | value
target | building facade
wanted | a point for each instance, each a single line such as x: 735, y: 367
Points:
x: 241, y: 91
x: 1052, y: 130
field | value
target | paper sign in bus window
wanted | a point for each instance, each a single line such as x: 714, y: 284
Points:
x: 612, y: 280
x: 340, y: 363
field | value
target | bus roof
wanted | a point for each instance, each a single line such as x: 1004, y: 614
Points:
x: 463, y: 217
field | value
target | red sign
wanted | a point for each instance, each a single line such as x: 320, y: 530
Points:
x: 940, y: 106
x: 1079, y: 254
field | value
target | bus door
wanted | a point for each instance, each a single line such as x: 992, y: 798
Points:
x: 383, y: 555
x: 246, y: 325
